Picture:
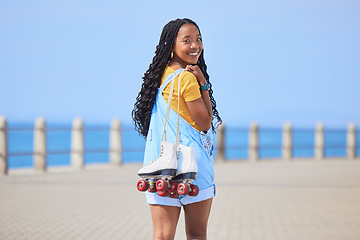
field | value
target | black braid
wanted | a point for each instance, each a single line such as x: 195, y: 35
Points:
x: 152, y: 78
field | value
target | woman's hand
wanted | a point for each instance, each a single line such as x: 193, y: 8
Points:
x: 194, y: 69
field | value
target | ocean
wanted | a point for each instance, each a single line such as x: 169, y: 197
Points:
x: 96, y: 139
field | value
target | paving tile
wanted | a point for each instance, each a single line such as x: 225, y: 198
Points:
x: 268, y: 200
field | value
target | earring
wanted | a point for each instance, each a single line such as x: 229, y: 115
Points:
x: 171, y: 55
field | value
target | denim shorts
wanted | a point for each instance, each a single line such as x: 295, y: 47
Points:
x: 204, y: 194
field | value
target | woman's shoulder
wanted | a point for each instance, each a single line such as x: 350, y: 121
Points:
x: 188, y: 75
x: 167, y: 71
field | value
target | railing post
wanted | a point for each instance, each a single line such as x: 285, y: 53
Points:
x: 254, y: 142
x: 220, y: 145
x: 319, y: 141
x: 115, y: 143
x: 287, y: 142
x: 3, y: 146
x: 77, y: 144
x: 351, y: 141
x: 40, y: 145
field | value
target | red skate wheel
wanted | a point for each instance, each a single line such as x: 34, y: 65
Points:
x: 194, y: 190
x: 142, y: 185
x: 174, y: 194
x: 163, y: 193
x: 161, y: 185
x: 173, y: 187
x: 183, y: 189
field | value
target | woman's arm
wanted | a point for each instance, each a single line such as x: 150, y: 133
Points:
x: 200, y: 109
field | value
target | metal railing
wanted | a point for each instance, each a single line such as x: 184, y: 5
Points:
x: 284, y: 145
x: 77, y: 150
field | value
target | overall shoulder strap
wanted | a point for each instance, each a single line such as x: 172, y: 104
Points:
x: 169, y: 78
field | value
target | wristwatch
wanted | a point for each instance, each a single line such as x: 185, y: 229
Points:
x: 205, y: 87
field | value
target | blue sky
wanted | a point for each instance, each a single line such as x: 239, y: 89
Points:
x: 268, y: 61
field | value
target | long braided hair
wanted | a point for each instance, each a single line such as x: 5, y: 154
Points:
x: 152, y: 78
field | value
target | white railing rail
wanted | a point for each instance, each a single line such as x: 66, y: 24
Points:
x: 116, y: 150
x: 287, y: 146
x: 77, y: 150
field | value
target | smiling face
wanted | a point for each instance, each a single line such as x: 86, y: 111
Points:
x: 188, y: 45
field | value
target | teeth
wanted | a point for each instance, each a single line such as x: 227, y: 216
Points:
x: 193, y: 54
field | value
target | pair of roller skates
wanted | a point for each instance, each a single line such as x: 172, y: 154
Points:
x: 169, y: 176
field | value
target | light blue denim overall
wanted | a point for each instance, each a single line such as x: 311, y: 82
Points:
x: 202, y: 144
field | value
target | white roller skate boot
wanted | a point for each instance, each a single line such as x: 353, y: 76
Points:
x: 186, y: 173
x: 159, y: 172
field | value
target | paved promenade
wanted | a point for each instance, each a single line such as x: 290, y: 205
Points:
x: 269, y: 200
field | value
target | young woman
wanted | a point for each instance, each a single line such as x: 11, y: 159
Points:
x: 179, y: 53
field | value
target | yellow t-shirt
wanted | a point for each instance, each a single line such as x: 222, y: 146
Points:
x: 189, y: 91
